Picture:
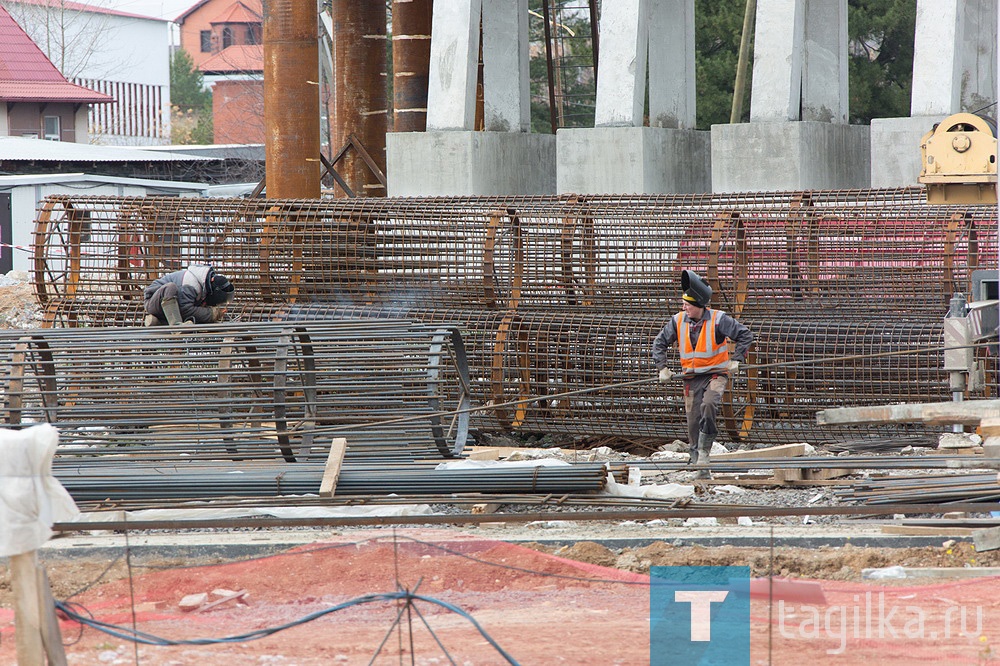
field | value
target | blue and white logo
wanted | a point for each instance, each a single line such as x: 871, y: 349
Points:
x: 699, y: 615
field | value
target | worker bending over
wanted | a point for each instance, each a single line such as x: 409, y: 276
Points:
x: 701, y: 333
x: 194, y: 295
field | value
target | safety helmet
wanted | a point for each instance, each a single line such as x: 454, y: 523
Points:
x: 696, y: 291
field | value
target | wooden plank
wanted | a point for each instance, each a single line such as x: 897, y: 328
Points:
x: 490, y: 507
x: 502, y: 451
x: 967, y: 412
x: 27, y: 613
x: 51, y: 636
x: 913, y: 530
x: 37, y: 630
x: 783, y: 451
x: 482, y: 454
x: 328, y: 486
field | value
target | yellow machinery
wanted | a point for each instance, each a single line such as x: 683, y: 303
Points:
x: 959, y: 161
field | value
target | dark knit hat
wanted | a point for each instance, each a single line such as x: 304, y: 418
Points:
x: 220, y: 289
x: 220, y: 282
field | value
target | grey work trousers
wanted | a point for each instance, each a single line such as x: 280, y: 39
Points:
x: 702, y: 396
x: 154, y: 305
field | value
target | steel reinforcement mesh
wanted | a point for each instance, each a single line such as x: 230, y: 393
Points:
x: 796, y: 256
x: 521, y: 364
x: 845, y: 291
x: 242, y: 390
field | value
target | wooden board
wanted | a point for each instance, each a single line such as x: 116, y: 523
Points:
x: 328, y: 486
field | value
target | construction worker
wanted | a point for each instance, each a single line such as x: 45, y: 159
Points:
x: 194, y: 295
x: 706, y: 365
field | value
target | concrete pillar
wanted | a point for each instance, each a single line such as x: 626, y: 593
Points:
x: 451, y: 85
x: 954, y: 69
x: 620, y: 155
x: 798, y: 137
x: 671, y: 64
x: 506, y: 84
x: 824, y: 62
x: 621, y: 71
x: 450, y: 158
x: 979, y: 56
x: 777, y: 61
x: 937, y: 67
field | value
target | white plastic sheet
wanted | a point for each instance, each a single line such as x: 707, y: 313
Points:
x: 31, y: 499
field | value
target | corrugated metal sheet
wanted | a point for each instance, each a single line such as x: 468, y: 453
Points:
x: 20, y: 149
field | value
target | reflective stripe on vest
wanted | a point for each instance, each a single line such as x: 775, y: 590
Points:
x: 707, y: 356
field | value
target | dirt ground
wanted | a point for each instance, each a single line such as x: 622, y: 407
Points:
x: 582, y: 604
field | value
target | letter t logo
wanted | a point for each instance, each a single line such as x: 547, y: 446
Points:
x: 701, y: 610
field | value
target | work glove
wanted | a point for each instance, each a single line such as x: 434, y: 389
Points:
x: 733, y: 367
x: 666, y: 374
x: 218, y: 312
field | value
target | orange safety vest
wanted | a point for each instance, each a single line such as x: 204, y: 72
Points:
x: 707, y: 356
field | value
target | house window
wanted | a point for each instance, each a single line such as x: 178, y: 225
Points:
x: 206, y: 41
x: 227, y: 37
x: 52, y: 132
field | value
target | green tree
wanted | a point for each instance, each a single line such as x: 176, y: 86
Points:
x: 717, y: 29
x: 881, y: 65
x: 190, y: 102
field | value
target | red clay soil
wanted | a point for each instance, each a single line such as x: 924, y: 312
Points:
x: 538, y: 608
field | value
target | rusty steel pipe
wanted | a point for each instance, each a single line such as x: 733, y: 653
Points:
x: 359, y: 44
x: 411, y: 58
x: 291, y: 99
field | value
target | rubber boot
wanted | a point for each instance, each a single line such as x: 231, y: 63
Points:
x: 704, y: 451
x: 693, y: 454
x: 171, y: 311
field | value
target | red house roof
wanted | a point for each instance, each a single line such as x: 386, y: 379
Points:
x: 240, y: 13
x: 26, y: 75
x: 241, y: 58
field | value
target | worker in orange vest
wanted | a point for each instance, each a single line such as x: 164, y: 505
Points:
x: 706, y: 364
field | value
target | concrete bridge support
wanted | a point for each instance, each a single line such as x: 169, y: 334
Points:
x: 451, y: 157
x: 954, y: 70
x: 798, y: 136
x: 623, y: 154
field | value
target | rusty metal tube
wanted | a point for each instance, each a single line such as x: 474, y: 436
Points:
x: 361, y: 106
x: 291, y: 99
x: 411, y: 56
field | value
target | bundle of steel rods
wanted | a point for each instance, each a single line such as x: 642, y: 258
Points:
x: 924, y: 489
x: 140, y: 480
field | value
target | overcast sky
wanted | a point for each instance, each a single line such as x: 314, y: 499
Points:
x: 164, y: 9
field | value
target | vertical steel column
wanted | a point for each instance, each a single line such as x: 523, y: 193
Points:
x: 411, y: 59
x: 360, y: 53
x: 291, y: 99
